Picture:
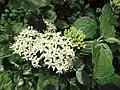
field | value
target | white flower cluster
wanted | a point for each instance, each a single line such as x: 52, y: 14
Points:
x: 54, y: 50
x: 50, y: 26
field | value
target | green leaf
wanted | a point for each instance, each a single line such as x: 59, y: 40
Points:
x: 51, y: 15
x: 113, y: 40
x: 102, y: 60
x: 34, y: 4
x: 103, y: 65
x: 17, y: 27
x: 51, y: 87
x: 78, y: 64
x: 83, y: 78
x: 4, y: 49
x: 16, y: 3
x: 4, y: 37
x: 111, y: 78
x: 113, y: 20
x: 88, y: 25
x: 95, y: 51
x: 61, y: 24
x: 87, y: 50
x: 73, y: 85
x: 46, y: 80
x: 4, y: 44
x: 79, y: 76
x: 5, y: 81
x: 107, y: 29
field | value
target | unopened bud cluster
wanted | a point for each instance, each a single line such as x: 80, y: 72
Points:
x: 76, y: 36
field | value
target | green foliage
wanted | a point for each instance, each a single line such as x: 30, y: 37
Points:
x: 111, y: 78
x: 16, y: 27
x: 61, y: 24
x: 13, y: 20
x: 100, y: 51
x: 47, y: 80
x: 29, y: 4
x: 102, y: 58
x: 5, y: 81
x: 88, y: 25
x: 11, y: 23
x: 73, y: 85
x: 113, y: 40
x: 87, y: 50
x: 100, y: 44
x: 4, y: 44
x: 106, y: 28
x: 14, y: 14
x: 51, y: 15
x: 83, y: 78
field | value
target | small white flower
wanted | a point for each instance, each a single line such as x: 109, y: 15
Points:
x: 50, y: 26
x: 98, y: 10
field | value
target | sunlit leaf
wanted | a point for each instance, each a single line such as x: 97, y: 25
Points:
x: 88, y: 25
x: 113, y: 40
x: 83, y: 78
x: 103, y: 69
x: 107, y: 29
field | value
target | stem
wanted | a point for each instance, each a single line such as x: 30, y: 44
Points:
x: 58, y: 77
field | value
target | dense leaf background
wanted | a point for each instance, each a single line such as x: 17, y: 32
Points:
x: 97, y: 65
